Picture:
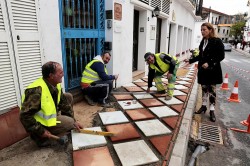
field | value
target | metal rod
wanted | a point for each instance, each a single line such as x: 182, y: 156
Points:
x: 137, y: 93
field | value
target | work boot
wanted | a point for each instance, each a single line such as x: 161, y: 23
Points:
x: 161, y: 92
x: 202, y: 109
x: 106, y: 105
x: 168, y: 97
x: 89, y: 100
x: 212, y: 116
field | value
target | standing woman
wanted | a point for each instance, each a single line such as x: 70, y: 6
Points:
x: 211, y: 53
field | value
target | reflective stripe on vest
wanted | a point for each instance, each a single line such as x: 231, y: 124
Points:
x: 47, y: 115
x: 89, y: 75
x: 163, y: 66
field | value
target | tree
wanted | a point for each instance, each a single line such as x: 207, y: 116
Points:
x: 237, y: 28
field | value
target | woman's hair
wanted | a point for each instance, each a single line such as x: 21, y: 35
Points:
x: 210, y: 27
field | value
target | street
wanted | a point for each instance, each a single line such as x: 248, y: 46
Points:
x: 236, y: 148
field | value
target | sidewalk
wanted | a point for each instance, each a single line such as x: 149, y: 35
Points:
x: 245, y: 52
x: 150, y: 132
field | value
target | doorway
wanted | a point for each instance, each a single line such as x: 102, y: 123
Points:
x: 158, y: 36
x: 135, y: 40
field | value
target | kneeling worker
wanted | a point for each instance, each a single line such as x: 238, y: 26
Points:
x: 159, y: 64
x: 96, y: 83
x: 46, y: 110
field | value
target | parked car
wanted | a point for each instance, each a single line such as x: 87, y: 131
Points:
x: 227, y: 47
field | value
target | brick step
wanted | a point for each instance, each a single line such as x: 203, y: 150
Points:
x: 77, y: 94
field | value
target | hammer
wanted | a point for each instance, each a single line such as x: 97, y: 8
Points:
x: 61, y: 140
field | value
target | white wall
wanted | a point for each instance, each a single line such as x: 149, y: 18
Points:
x: 50, y: 30
x: 121, y: 36
x: 181, y: 18
x: 197, y: 35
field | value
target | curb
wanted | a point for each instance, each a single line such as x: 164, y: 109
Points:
x: 178, y: 156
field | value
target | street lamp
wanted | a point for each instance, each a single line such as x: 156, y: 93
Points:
x: 156, y: 12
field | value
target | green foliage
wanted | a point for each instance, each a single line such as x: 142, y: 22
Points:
x: 237, y: 28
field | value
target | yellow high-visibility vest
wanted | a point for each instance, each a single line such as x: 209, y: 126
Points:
x: 47, y: 116
x: 89, y: 75
x: 163, y: 66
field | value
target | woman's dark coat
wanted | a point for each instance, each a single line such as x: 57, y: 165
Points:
x: 213, y: 55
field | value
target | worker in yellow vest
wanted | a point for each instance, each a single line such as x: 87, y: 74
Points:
x: 159, y: 64
x: 96, y: 83
x: 45, y: 109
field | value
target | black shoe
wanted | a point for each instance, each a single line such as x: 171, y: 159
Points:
x: 202, y: 109
x: 212, y: 116
x: 89, y: 100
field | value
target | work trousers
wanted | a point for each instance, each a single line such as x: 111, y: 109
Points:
x: 209, y: 91
x: 171, y: 82
x: 98, y: 91
x: 66, y: 123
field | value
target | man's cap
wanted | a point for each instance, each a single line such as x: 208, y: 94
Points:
x: 146, y: 56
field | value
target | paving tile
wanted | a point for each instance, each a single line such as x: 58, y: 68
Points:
x: 161, y: 143
x: 185, y: 90
x: 171, y: 121
x: 188, y: 85
x: 153, y: 88
x: 135, y: 153
x: 163, y: 111
x: 129, y: 104
x: 141, y: 83
x: 189, y: 76
x: 134, y: 89
x: 160, y: 95
x: 93, y: 157
x: 139, y: 80
x: 129, y: 84
x: 182, y: 97
x: 152, y: 127
x: 177, y: 107
x: 186, y: 79
x: 122, y: 132
x: 113, y: 117
x: 81, y: 140
x: 182, y: 82
x: 171, y: 102
x: 143, y: 96
x: 123, y: 97
x: 180, y: 87
x: 178, y: 93
x: 151, y: 102
x: 139, y: 114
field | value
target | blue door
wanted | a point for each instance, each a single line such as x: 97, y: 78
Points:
x: 83, y: 34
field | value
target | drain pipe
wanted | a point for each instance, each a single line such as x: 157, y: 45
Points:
x: 199, y: 149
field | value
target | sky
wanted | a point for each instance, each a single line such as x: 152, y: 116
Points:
x: 229, y: 7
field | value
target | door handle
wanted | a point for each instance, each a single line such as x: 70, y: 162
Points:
x: 18, y: 37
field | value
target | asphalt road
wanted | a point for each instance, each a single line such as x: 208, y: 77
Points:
x: 236, y: 148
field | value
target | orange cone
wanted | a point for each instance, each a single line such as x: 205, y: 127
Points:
x: 246, y: 122
x: 234, y: 95
x: 243, y: 131
x: 224, y: 85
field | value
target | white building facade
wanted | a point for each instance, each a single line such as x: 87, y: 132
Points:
x: 35, y: 32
